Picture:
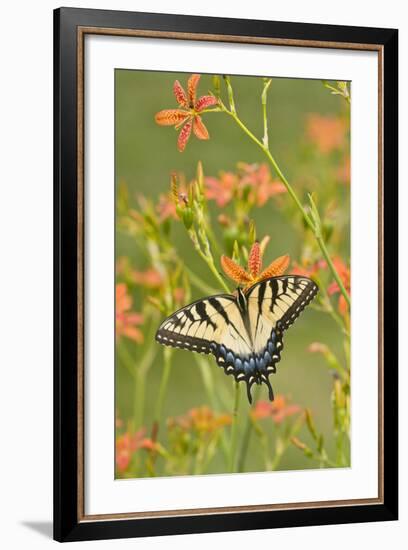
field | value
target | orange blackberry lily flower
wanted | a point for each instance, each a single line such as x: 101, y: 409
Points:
x: 278, y: 410
x: 255, y: 274
x: 187, y: 117
x: 127, y: 321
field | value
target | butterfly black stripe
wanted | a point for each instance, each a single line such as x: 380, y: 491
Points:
x: 273, y: 283
x: 202, y: 312
x: 189, y: 316
x: 218, y: 307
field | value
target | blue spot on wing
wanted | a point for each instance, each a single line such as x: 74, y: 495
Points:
x: 230, y: 358
x: 252, y: 368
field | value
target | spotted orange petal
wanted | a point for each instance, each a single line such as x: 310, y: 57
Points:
x: 199, y: 129
x: 255, y: 260
x: 180, y: 94
x: 192, y: 88
x: 205, y: 101
x: 234, y: 271
x: 276, y: 268
x: 184, y: 136
x: 171, y: 117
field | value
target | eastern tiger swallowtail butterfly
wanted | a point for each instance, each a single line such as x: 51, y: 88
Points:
x: 243, y: 331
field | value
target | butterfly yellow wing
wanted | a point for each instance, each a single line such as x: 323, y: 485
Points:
x: 244, y: 332
x: 273, y: 305
x: 205, y: 325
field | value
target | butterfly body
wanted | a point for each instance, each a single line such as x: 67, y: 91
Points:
x: 244, y: 331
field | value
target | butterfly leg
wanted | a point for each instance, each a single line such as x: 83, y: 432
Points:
x: 248, y: 386
x: 270, y: 390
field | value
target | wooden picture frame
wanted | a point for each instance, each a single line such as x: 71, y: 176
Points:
x: 70, y: 28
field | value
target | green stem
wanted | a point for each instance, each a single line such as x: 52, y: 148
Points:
x: 138, y: 374
x: 275, y: 166
x: 276, y: 459
x: 230, y: 93
x: 208, y: 259
x: 212, y: 267
x: 208, y: 382
x: 211, y: 237
x: 340, y: 454
x: 234, y: 429
x: 125, y: 357
x: 140, y: 380
x: 324, y: 459
x: 328, y: 308
x: 216, y: 110
x: 198, y: 283
x: 294, y: 197
x: 343, y: 92
x: 264, y: 99
x: 263, y: 440
x: 138, y: 405
x: 326, y: 255
x: 167, y: 353
x: 320, y: 457
x: 247, y: 434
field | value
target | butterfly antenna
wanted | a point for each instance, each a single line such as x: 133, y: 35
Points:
x: 270, y: 390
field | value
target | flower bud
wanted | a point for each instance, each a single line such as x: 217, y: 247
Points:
x: 327, y: 230
x: 297, y: 443
x: 224, y: 220
x: 187, y: 217
x: 252, y: 232
x: 174, y: 188
x: 217, y: 85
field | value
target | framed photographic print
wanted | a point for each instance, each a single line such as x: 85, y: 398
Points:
x: 225, y: 274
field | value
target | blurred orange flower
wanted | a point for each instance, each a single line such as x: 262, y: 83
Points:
x: 150, y: 278
x: 224, y: 220
x: 127, y: 444
x: 278, y: 410
x: 204, y: 420
x: 179, y: 295
x: 166, y: 208
x: 221, y: 189
x: 169, y: 202
x: 259, y: 178
x: 200, y: 419
x: 317, y: 347
x: 126, y: 320
x: 252, y: 181
x: 311, y: 269
x: 328, y: 133
x: 343, y: 173
x: 118, y: 420
x: 187, y: 117
x: 344, y: 274
x: 306, y: 269
x: 254, y: 273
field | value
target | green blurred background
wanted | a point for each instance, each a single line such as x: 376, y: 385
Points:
x: 146, y: 154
